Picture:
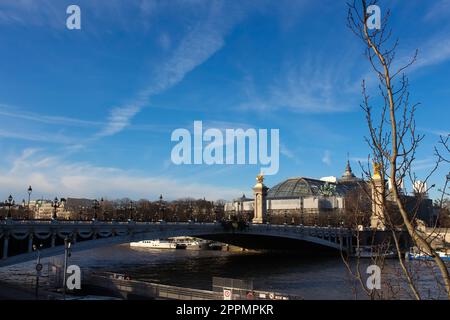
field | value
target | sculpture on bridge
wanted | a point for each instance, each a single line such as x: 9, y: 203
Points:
x: 378, y: 198
x: 260, y: 178
x: 260, y: 205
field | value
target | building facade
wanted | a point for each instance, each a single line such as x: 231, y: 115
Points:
x: 328, y: 200
x: 302, y: 197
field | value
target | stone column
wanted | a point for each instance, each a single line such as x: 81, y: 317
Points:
x: 260, y: 205
x: 377, y: 218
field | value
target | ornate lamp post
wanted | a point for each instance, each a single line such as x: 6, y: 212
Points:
x: 190, y: 211
x: 130, y: 208
x: 23, y: 209
x: 56, y: 204
x: 9, y: 203
x: 95, y: 207
x: 216, y: 213
x: 285, y: 217
x: 80, y: 213
x: 38, y: 266
x: 30, y: 190
x: 67, y: 253
x: 211, y: 214
x: 102, y: 208
x: 161, y: 207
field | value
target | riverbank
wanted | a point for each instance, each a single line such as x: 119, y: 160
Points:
x: 12, y: 291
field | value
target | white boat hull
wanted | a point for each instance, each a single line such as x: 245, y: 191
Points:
x: 154, y: 244
x: 416, y: 255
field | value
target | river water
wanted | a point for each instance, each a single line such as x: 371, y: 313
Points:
x: 306, y: 277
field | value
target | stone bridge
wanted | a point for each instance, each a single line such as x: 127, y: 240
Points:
x: 17, y: 238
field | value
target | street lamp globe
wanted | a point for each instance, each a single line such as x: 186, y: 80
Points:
x: 56, y: 204
x: 9, y: 203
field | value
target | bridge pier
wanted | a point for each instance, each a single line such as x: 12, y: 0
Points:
x: 5, y: 245
x: 30, y: 242
x: 53, y: 239
x: 348, y: 244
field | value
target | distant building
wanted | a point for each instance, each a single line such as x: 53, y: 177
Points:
x: 308, y: 199
x: 331, y: 179
x: 303, y: 196
x: 420, y: 187
x: 240, y: 205
x: 43, y: 209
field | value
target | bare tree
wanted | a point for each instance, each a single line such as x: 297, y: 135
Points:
x: 392, y: 138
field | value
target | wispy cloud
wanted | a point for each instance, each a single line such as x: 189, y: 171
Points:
x: 288, y: 153
x: 439, y: 10
x: 434, y: 51
x: 436, y: 132
x: 52, y: 175
x: 36, y: 136
x: 50, y: 13
x: 8, y: 111
x: 423, y: 164
x: 32, y: 13
x: 312, y: 88
x: 327, y: 157
x: 120, y: 117
x: 200, y: 43
x: 315, y: 85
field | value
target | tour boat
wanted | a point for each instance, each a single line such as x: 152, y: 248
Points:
x: 369, y: 252
x: 216, y: 246
x: 190, y: 243
x: 156, y: 244
x: 416, y: 254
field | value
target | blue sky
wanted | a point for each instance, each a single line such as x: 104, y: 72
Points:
x: 89, y: 113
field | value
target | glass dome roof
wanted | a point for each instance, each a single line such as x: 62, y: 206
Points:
x: 303, y: 187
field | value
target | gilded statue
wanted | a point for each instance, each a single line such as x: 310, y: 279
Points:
x: 260, y: 178
x: 376, y: 170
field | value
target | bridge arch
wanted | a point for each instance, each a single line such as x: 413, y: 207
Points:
x: 98, y: 234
